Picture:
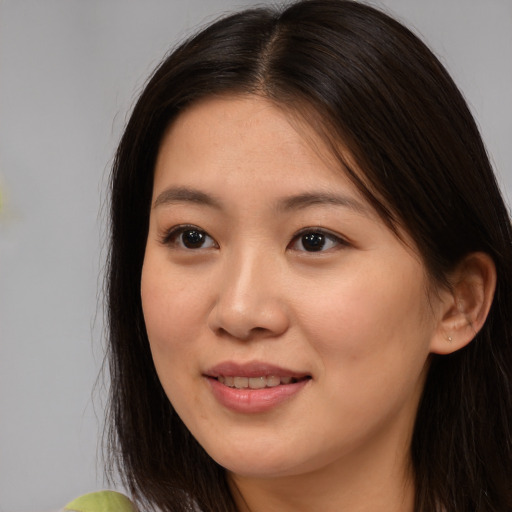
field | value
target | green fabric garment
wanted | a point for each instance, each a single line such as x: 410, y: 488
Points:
x: 104, y: 501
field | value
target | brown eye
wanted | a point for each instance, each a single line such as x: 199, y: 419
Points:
x: 193, y: 239
x: 189, y: 237
x: 316, y: 241
x: 313, y: 241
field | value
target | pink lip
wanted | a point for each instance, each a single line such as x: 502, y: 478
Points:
x: 251, y: 401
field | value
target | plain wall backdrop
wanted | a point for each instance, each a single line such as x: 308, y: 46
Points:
x: 70, y: 71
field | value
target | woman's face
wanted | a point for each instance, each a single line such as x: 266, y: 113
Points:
x: 290, y: 328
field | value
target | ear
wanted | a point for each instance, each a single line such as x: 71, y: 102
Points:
x: 464, y: 307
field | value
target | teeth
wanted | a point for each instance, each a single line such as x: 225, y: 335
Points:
x: 241, y: 382
x: 273, y: 381
x: 254, y: 382
x: 257, y: 382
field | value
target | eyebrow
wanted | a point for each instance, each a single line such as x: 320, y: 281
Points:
x: 322, y: 198
x: 185, y: 195
x: 176, y: 195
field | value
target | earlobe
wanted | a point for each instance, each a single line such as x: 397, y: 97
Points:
x: 464, y: 308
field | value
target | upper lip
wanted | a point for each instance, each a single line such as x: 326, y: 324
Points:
x: 252, y: 369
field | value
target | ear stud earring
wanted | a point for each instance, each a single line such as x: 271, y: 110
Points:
x: 450, y: 339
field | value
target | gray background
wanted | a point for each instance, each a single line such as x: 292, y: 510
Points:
x: 69, y: 73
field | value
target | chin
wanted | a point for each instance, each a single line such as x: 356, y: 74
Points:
x: 258, y: 462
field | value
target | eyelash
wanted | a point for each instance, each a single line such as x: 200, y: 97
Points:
x: 318, y: 236
x: 171, y: 236
x: 327, y: 235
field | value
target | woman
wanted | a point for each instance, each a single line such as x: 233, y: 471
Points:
x: 309, y: 276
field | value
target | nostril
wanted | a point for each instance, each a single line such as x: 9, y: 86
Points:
x: 237, y: 332
x: 247, y: 312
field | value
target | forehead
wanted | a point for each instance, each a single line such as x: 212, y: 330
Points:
x: 231, y: 137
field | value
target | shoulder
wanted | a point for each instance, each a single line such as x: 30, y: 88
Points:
x: 103, y: 501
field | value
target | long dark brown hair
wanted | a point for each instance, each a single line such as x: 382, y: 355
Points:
x: 365, y: 81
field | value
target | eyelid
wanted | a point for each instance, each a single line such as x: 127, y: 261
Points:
x: 170, y: 235
x: 340, y: 241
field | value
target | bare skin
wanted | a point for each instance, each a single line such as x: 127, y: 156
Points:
x: 263, y: 257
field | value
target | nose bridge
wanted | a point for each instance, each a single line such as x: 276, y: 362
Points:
x: 249, y: 301
x: 247, y: 277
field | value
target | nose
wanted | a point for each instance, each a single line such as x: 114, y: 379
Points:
x: 250, y: 303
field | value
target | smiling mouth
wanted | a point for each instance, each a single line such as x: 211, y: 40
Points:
x: 270, y: 381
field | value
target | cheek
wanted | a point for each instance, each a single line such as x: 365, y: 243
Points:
x: 372, y: 336
x: 171, y: 303
x: 168, y: 307
x: 170, y: 314
x: 374, y: 321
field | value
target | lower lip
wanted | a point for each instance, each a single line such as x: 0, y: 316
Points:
x: 251, y: 401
